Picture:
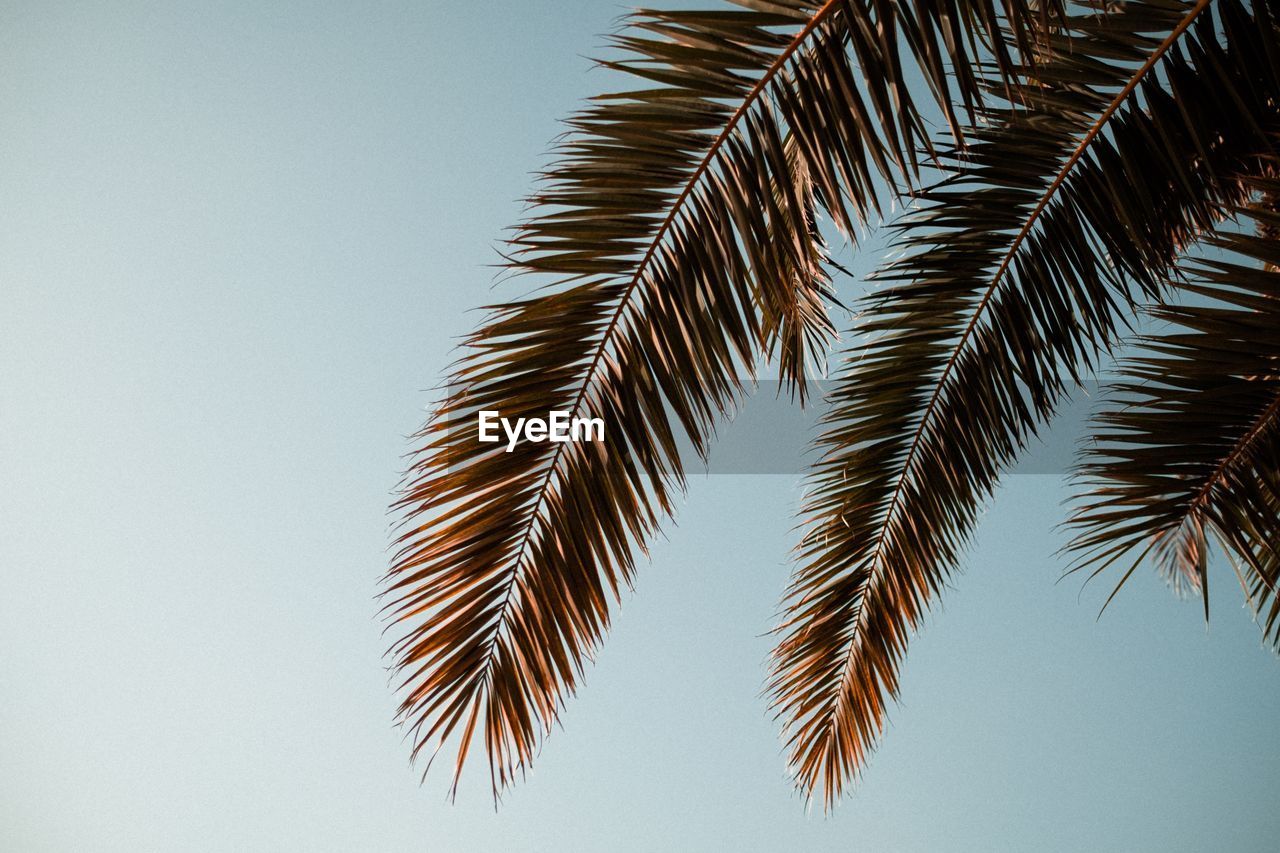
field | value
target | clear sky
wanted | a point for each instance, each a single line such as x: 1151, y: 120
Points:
x: 237, y: 241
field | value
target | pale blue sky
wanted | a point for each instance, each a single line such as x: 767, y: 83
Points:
x: 236, y: 244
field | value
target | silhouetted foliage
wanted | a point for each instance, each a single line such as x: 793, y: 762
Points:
x: 677, y: 242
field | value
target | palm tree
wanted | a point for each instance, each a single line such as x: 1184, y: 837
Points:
x: 678, y: 241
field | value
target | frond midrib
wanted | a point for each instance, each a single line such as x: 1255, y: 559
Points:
x: 908, y: 467
x: 535, y: 522
x: 1238, y: 449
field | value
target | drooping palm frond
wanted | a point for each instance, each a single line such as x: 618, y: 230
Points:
x: 1188, y: 450
x: 796, y: 329
x: 674, y: 233
x: 1061, y: 216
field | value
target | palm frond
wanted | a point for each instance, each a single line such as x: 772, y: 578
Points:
x: 674, y: 235
x: 797, y: 331
x: 1122, y: 143
x: 1188, y: 450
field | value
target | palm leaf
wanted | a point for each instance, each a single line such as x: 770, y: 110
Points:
x: 1121, y: 144
x: 674, y: 239
x: 1188, y: 451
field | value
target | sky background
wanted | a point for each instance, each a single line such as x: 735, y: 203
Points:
x: 237, y: 242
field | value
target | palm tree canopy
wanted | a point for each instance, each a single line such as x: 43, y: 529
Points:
x: 676, y: 243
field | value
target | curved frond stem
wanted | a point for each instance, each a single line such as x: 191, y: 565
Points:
x: 1189, y: 447
x: 1085, y: 142
x: 930, y: 408
x: 676, y: 207
x: 1240, y: 449
x: 607, y: 338
x: 1019, y: 268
